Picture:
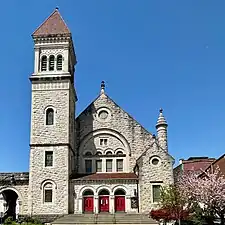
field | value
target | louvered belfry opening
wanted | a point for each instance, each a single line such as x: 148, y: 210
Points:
x: 51, y: 62
x: 59, y: 62
x: 44, y: 63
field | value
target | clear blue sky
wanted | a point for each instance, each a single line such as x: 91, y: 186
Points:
x: 151, y: 54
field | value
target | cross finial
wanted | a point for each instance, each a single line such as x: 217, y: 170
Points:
x: 102, y: 87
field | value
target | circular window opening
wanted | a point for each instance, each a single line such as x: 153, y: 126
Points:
x: 155, y: 161
x: 103, y: 115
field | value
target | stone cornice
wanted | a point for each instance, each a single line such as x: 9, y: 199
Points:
x: 51, y: 38
x: 51, y: 144
x: 110, y: 181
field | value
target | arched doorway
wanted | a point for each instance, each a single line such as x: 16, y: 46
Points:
x: 120, y: 204
x: 9, y: 202
x: 88, y: 201
x: 104, y: 200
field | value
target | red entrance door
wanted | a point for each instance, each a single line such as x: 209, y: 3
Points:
x: 104, y: 203
x: 119, y: 203
x: 88, y: 204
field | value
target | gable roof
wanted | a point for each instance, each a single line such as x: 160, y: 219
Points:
x: 110, y: 99
x: 109, y: 176
x: 53, y: 25
x: 158, y: 146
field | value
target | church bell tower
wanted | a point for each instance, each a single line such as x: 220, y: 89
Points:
x: 52, y: 118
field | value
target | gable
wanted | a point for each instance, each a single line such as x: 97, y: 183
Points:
x: 105, y: 115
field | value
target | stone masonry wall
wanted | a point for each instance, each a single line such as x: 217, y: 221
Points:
x: 136, y: 136
x: 57, y: 138
x: 50, y: 94
x: 56, y: 175
x: 150, y: 174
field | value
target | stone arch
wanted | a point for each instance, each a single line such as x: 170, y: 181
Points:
x: 119, y: 150
x: 120, y: 192
x: 19, y: 200
x: 85, y: 188
x: 20, y: 197
x: 120, y: 187
x: 106, y: 131
x: 48, y: 181
x: 49, y: 106
x: 87, y: 192
x: 103, y: 187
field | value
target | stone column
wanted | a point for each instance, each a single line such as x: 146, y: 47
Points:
x: 112, y: 204
x: 127, y: 203
x: 37, y: 60
x: 80, y: 205
x: 114, y: 165
x: 66, y: 59
x: 103, y: 165
x: 96, y: 204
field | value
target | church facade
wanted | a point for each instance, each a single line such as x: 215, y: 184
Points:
x: 101, y: 161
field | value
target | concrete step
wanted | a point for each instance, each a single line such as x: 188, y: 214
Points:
x: 105, y: 218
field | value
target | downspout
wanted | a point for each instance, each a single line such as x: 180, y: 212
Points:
x: 137, y: 182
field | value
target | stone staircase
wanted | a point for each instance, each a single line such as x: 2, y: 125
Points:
x: 105, y: 218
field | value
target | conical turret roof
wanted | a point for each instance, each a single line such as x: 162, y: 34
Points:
x: 161, y: 119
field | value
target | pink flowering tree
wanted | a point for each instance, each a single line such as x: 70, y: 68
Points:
x: 208, y: 191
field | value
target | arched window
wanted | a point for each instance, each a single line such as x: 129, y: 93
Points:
x: 59, y: 62
x: 98, y: 153
x: 51, y: 62
x: 44, y: 63
x: 119, y: 153
x: 108, y: 153
x: 48, y: 192
x: 49, y: 116
x: 88, y: 154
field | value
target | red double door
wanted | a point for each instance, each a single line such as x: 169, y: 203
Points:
x: 104, y: 203
x: 119, y: 203
x: 88, y: 204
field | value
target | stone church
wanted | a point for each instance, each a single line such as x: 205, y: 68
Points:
x: 101, y: 161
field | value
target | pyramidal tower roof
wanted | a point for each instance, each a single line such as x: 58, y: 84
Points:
x: 54, y: 25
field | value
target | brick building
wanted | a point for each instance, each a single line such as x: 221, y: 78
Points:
x: 101, y: 161
x: 193, y: 164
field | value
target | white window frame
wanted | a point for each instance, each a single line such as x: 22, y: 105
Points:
x: 54, y: 116
x: 53, y: 188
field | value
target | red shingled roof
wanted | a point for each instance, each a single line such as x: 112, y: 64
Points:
x: 109, y: 176
x: 53, y: 25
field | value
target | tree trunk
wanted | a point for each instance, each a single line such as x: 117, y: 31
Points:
x: 222, y: 220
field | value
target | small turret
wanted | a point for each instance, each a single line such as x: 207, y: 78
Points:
x: 161, y: 127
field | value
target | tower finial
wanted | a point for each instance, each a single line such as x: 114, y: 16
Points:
x: 102, y: 87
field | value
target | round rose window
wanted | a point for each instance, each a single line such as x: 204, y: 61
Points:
x: 103, y: 115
